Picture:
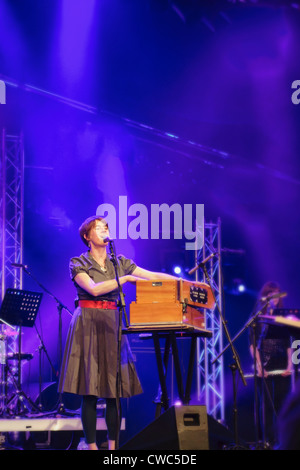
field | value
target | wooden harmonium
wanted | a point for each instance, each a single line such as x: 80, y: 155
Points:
x: 171, y: 301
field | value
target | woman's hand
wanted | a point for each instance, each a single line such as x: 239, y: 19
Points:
x: 260, y: 370
x: 132, y: 279
x: 151, y: 275
x: 259, y: 373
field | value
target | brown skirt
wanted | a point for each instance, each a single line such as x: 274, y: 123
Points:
x: 89, y: 365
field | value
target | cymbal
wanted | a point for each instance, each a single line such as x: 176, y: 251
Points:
x: 10, y: 332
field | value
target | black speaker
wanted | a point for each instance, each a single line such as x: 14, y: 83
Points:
x: 219, y: 436
x: 178, y: 428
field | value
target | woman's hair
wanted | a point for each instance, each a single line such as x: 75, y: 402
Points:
x: 269, y: 288
x: 87, y: 226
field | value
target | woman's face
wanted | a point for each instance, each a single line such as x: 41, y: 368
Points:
x: 97, y: 233
x: 274, y: 302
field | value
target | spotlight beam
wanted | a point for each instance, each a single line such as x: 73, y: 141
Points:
x: 268, y: 3
x: 166, y: 136
x: 128, y: 122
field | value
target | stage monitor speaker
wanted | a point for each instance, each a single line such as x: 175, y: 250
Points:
x: 219, y: 436
x: 178, y: 428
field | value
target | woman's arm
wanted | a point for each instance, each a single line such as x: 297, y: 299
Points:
x: 100, y: 288
x: 258, y: 362
x: 289, y: 369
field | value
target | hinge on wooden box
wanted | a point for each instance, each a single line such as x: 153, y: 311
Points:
x: 184, y: 305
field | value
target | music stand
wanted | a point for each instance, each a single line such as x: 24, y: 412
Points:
x: 19, y: 308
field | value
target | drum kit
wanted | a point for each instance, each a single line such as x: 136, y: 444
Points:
x: 19, y: 310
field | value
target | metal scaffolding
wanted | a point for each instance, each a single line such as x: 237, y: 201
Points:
x: 11, y: 214
x: 210, y: 377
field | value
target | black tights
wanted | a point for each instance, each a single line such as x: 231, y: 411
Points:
x: 89, y: 417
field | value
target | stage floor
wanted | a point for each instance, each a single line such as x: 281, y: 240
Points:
x: 60, y: 423
x: 47, y: 432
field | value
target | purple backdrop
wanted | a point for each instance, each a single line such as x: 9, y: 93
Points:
x: 218, y: 78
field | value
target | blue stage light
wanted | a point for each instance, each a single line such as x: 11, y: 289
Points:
x: 241, y: 288
x: 177, y: 269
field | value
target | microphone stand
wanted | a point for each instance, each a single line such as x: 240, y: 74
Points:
x: 42, y: 348
x: 236, y: 366
x: 264, y: 386
x: 250, y: 323
x: 60, y: 307
x: 122, y: 310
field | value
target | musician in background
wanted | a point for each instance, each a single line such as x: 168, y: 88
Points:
x: 273, y: 361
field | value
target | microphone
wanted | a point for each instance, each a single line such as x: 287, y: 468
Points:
x: 208, y: 258
x: 203, y: 262
x: 19, y: 265
x: 278, y: 295
x: 107, y: 239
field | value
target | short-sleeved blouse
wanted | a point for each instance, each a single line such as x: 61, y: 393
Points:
x: 85, y: 263
x: 89, y: 363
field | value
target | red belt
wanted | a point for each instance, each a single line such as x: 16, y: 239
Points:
x: 104, y: 304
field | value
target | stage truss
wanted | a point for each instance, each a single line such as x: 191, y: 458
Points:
x: 210, y: 377
x: 11, y: 213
